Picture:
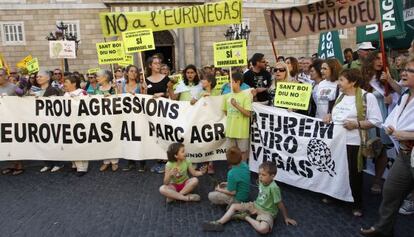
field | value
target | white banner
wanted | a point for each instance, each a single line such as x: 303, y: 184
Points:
x: 308, y: 153
x: 95, y: 128
x: 62, y: 49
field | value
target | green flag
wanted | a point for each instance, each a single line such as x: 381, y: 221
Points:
x: 330, y: 46
x: 392, y: 22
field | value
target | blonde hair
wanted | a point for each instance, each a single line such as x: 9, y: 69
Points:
x: 287, y: 75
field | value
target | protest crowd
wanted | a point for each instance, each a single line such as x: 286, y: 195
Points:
x: 371, y: 97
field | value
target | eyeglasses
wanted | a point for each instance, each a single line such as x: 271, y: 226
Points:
x: 279, y: 70
x: 57, y: 73
x: 407, y: 70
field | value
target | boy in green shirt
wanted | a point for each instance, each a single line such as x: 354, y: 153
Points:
x: 237, y: 187
x: 238, y: 106
x: 266, y: 206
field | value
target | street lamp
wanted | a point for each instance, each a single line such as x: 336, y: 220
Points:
x: 237, y: 32
x: 62, y: 34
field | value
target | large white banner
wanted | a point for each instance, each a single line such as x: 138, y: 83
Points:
x: 308, y: 153
x: 95, y: 128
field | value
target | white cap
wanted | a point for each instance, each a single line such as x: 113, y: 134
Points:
x: 366, y: 46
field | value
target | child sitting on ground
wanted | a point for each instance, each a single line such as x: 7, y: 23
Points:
x: 237, y: 187
x: 177, y: 185
x: 265, y: 207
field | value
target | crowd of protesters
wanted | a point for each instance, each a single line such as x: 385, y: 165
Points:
x: 371, y: 101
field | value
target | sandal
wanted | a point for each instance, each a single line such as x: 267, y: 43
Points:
x: 7, y: 171
x: 357, y: 212
x: 193, y: 198
x: 17, y: 172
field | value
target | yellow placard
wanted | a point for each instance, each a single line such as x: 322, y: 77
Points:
x: 221, y: 81
x: 177, y: 78
x: 230, y: 53
x: 129, y: 60
x: 138, y: 40
x: 33, y: 65
x: 210, y: 14
x: 23, y: 62
x: 293, y: 95
x: 110, y: 52
x: 93, y: 70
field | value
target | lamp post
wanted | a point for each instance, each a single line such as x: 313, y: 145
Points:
x: 62, y: 34
x: 236, y: 32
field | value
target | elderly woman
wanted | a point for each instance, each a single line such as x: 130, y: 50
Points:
x: 44, y: 83
x: 356, y: 110
x: 400, y: 181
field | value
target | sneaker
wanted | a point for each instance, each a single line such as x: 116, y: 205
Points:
x: 407, y: 208
x: 158, y: 168
x: 129, y: 167
x: 44, y: 169
x: 56, y: 168
x: 213, y: 226
x: 80, y: 173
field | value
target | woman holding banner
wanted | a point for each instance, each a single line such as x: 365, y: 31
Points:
x: 316, y: 76
x: 72, y: 89
x: 92, y: 84
x: 328, y: 90
x: 44, y: 83
x: 375, y: 82
x: 356, y: 110
x: 157, y: 85
x: 105, y: 88
x: 189, y: 88
x: 400, y: 181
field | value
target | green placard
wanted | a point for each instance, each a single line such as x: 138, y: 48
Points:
x: 392, y: 22
x: 33, y: 65
x: 293, y: 95
x: 230, y: 53
x: 330, y: 46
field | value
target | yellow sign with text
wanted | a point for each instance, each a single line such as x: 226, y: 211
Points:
x: 138, y: 40
x: 110, y: 52
x: 210, y: 14
x: 93, y: 70
x: 221, y: 81
x: 33, y: 65
x: 176, y: 78
x: 23, y: 62
x: 129, y: 60
x: 293, y: 95
x: 230, y: 53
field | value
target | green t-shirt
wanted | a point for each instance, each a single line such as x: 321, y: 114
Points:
x: 99, y: 91
x: 268, y: 198
x: 214, y: 92
x: 185, y: 96
x: 237, y: 125
x: 182, y: 175
x: 238, y: 179
x: 356, y: 64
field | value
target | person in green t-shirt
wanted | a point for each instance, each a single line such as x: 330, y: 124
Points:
x: 237, y: 187
x: 177, y: 184
x: 188, y: 88
x: 266, y: 206
x: 238, y: 106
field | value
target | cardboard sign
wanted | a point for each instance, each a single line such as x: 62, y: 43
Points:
x: 221, y: 81
x: 321, y: 16
x: 216, y: 13
x: 62, y: 49
x: 293, y: 95
x: 230, y: 53
x: 33, y: 65
x: 23, y: 62
x: 93, y: 70
x: 138, y: 40
x: 110, y: 52
x: 129, y: 60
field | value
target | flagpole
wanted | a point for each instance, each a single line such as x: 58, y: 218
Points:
x: 384, y: 58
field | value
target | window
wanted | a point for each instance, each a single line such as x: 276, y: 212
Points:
x: 73, y: 27
x: 343, y: 33
x: 12, y: 33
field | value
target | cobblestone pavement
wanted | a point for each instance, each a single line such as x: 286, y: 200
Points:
x: 128, y: 204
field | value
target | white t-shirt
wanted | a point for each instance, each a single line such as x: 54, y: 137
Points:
x: 326, y: 92
x: 346, y: 110
x: 75, y: 93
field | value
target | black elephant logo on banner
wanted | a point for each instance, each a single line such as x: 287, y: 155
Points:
x: 320, y: 156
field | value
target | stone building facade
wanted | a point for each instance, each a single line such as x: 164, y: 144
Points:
x: 24, y: 25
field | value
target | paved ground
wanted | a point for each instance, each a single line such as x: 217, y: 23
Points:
x: 128, y: 204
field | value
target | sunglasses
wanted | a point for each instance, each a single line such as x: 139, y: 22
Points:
x: 279, y: 70
x: 56, y: 73
x: 407, y: 70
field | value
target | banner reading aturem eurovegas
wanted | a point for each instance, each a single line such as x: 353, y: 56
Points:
x: 322, y: 16
x: 217, y: 13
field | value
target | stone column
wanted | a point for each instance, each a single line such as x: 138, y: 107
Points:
x: 197, y: 55
x: 181, y: 49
